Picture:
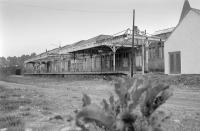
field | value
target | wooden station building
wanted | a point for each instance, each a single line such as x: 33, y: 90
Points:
x: 103, y: 53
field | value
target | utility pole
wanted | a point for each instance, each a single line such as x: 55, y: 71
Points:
x: 133, y: 50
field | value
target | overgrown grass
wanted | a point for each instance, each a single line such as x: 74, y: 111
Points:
x: 11, y: 123
x: 10, y: 101
x: 11, y: 105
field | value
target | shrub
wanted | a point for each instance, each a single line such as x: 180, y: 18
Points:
x: 121, y: 113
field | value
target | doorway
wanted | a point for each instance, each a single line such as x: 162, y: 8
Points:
x: 175, y: 62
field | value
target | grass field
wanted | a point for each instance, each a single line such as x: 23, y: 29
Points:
x: 32, y: 103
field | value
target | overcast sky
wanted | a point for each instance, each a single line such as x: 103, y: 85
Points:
x: 28, y: 26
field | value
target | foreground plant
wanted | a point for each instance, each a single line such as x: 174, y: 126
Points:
x: 132, y: 110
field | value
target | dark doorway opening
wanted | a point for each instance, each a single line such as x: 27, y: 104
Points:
x: 175, y: 62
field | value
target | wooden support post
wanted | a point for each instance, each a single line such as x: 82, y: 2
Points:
x: 114, y: 52
x: 101, y: 62
x: 61, y: 65
x: 113, y: 48
x: 91, y: 58
x: 83, y: 61
x: 33, y: 64
x: 54, y: 66
x: 100, y: 52
x: 147, y: 56
x: 74, y: 62
x: 143, y: 58
x: 40, y: 68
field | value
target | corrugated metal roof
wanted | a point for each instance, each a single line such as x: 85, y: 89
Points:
x: 94, y: 39
x: 97, y: 38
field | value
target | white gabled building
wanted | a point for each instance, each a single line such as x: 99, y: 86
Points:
x: 182, y: 48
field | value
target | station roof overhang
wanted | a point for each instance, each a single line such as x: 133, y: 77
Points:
x: 120, y: 42
x: 124, y: 41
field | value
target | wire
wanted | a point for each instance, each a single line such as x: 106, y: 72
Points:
x: 65, y: 10
x: 121, y: 32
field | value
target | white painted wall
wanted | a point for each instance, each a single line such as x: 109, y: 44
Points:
x: 186, y: 38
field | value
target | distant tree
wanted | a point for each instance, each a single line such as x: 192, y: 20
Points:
x: 15, y: 61
x: 3, y: 62
x: 10, y: 64
x: 23, y: 58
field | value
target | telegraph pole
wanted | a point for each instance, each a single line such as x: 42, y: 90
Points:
x: 133, y: 50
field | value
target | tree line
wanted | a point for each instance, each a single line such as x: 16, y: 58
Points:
x: 10, y: 64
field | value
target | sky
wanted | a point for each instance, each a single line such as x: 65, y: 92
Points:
x: 28, y: 26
